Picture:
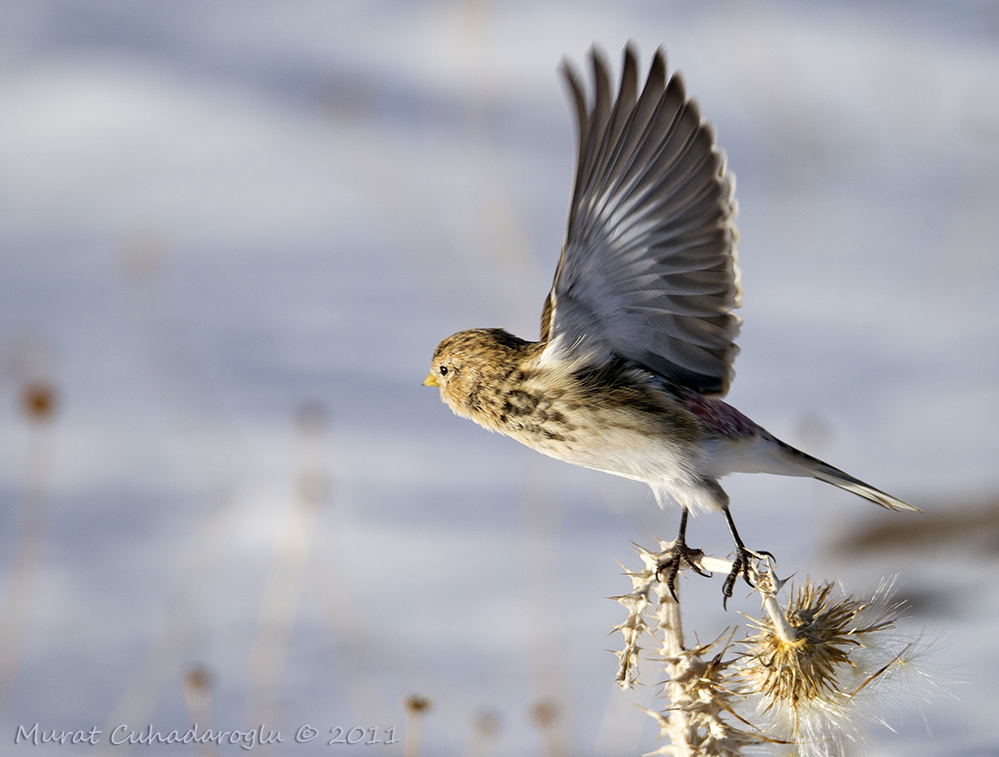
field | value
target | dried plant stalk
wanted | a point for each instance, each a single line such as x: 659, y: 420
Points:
x: 803, y: 678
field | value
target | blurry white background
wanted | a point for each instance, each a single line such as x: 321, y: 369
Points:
x: 231, y: 235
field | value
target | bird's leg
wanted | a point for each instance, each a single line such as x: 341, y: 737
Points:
x: 743, y: 563
x: 680, y: 553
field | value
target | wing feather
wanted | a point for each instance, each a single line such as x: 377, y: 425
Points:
x: 649, y: 270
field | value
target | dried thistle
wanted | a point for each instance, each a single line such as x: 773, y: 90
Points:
x: 700, y: 683
x: 636, y: 602
x: 806, y: 667
x: 639, y: 601
x: 815, y: 689
x: 703, y: 689
x: 806, y: 679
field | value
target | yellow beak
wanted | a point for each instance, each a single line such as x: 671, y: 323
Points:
x: 430, y: 380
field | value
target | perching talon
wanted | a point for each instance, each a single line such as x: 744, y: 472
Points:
x: 680, y: 553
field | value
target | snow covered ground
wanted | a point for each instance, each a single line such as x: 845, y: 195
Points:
x: 214, y: 215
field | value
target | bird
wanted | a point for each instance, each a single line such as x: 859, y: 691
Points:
x: 637, y: 338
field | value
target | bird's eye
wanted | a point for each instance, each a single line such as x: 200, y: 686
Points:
x: 443, y: 370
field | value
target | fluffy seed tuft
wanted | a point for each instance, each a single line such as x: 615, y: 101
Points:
x: 816, y: 689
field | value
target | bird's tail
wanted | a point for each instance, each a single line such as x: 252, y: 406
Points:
x: 815, y: 468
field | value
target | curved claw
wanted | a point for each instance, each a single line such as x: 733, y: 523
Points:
x: 742, y: 565
x: 688, y: 557
x: 680, y: 553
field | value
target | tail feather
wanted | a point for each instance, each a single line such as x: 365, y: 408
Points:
x: 830, y: 475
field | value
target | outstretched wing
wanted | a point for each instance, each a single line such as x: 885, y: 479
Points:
x: 649, y: 269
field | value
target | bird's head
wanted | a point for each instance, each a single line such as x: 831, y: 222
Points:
x: 447, y: 367
x: 469, y: 368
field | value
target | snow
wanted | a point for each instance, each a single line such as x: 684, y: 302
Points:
x: 212, y: 214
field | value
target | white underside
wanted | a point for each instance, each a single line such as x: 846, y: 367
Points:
x: 676, y: 472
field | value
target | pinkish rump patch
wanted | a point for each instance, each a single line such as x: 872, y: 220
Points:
x: 719, y: 418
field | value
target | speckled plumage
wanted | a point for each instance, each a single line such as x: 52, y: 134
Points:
x: 637, y: 334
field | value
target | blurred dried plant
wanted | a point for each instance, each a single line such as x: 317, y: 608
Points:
x: 416, y: 707
x: 38, y: 404
x: 485, y: 732
x: 198, y: 699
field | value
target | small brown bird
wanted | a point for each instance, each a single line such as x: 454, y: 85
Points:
x: 637, y: 334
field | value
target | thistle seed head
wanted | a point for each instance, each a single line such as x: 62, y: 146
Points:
x: 816, y: 689
x: 807, y: 668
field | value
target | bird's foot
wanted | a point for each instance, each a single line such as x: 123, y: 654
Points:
x: 745, y: 565
x: 674, y: 555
